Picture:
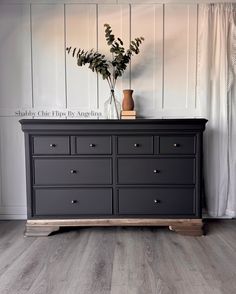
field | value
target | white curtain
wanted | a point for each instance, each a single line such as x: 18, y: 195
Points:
x: 216, y: 91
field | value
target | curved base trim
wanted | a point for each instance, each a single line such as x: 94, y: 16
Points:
x: 44, y: 227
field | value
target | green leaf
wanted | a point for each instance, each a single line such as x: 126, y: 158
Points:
x: 120, y: 41
x: 68, y: 49
x: 73, y: 54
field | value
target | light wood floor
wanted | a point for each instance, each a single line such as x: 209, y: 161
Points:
x: 118, y: 261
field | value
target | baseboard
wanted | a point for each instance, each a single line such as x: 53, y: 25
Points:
x: 13, y: 212
x: 13, y: 217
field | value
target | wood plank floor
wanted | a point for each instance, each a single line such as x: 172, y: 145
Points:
x: 123, y: 260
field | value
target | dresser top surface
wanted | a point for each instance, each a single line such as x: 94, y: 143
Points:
x: 110, y: 121
x: 102, y: 125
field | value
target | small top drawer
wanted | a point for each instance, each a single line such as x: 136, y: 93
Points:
x: 93, y: 145
x: 51, y: 145
x: 177, y: 144
x: 135, y: 145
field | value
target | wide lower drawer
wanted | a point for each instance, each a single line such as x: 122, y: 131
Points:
x: 158, y: 201
x: 156, y: 171
x: 72, y: 201
x: 72, y: 171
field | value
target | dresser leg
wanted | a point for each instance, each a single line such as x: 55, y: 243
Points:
x: 188, y: 229
x: 39, y: 231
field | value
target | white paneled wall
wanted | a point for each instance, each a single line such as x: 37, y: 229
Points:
x: 147, y: 67
x: 80, y: 31
x: 179, y: 56
x: 48, y: 55
x: 15, y: 57
x: 12, y: 169
x: 37, y: 75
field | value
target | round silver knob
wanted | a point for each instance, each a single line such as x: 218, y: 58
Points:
x: 74, y: 201
x: 73, y: 171
x: 156, y: 171
x: 53, y: 145
x: 136, y: 145
x: 156, y: 201
x: 176, y: 145
x: 92, y: 145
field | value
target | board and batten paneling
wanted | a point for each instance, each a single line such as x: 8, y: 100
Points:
x: 36, y: 73
x: 81, y: 32
x: 180, y: 56
x: 147, y: 67
x: 12, y: 169
x: 48, y: 55
x: 15, y: 57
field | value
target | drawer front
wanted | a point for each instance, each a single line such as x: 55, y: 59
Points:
x: 156, y: 171
x: 72, y: 171
x: 93, y: 145
x: 73, y: 201
x: 159, y: 201
x: 135, y: 145
x: 51, y: 145
x: 177, y: 145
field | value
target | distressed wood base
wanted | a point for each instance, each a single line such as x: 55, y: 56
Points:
x: 44, y: 227
x: 39, y: 230
x: 188, y: 230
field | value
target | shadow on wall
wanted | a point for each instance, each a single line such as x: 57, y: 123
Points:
x: 140, y: 75
x: 139, y: 68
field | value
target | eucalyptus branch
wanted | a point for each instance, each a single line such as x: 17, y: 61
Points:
x: 97, y: 62
x: 109, y: 70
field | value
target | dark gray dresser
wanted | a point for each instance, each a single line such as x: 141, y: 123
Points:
x: 113, y: 172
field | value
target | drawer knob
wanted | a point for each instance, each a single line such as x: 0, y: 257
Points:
x: 92, y: 145
x: 136, y: 145
x: 156, y: 171
x: 74, y: 201
x: 73, y: 171
x: 176, y: 145
x: 53, y: 145
x: 156, y: 201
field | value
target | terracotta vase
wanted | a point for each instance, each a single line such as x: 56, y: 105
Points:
x: 128, y: 101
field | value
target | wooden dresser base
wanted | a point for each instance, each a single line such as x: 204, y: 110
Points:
x: 44, y: 227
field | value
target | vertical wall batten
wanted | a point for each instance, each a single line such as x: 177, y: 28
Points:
x: 97, y: 49
x: 196, y: 62
x: 158, y: 59
x: 66, y: 98
x: 31, y: 57
x: 130, y: 29
x: 192, y: 55
x: 187, y: 59
x: 163, y: 57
